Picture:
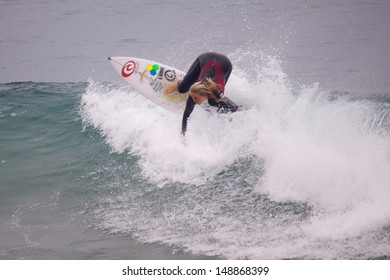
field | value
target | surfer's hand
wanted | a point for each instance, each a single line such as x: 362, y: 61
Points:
x: 172, y: 87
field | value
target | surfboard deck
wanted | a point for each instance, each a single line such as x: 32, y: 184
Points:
x: 150, y: 79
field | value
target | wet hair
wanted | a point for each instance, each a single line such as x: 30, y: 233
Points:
x: 206, y: 87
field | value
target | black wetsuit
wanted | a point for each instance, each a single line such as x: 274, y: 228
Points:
x: 211, y: 65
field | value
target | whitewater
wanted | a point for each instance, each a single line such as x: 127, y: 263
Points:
x: 299, y: 171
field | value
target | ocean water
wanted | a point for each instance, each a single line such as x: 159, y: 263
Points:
x: 89, y: 169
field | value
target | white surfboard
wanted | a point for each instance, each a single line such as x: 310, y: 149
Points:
x: 150, y: 79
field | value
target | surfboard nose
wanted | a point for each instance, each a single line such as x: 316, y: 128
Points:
x: 109, y: 58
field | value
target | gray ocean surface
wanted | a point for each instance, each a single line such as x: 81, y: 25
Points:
x: 89, y: 169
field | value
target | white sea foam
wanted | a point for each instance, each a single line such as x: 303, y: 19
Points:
x: 314, y: 148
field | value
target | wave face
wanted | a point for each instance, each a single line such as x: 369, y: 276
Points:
x: 302, y: 173
x: 89, y: 169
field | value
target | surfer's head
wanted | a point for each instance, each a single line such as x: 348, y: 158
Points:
x: 205, y: 89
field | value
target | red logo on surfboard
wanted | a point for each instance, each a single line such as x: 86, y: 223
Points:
x: 128, y: 69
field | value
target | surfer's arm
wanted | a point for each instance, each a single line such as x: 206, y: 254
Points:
x: 190, y: 104
x: 190, y: 78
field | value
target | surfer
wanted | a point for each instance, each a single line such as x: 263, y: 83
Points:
x: 206, y: 79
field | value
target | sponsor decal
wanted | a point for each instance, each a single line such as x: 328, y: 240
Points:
x: 155, y: 69
x: 161, y: 73
x: 128, y: 69
x: 156, y: 85
x: 152, y: 69
x: 170, y: 75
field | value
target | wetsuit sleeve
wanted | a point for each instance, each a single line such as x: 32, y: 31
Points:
x: 190, y: 104
x: 191, y: 77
